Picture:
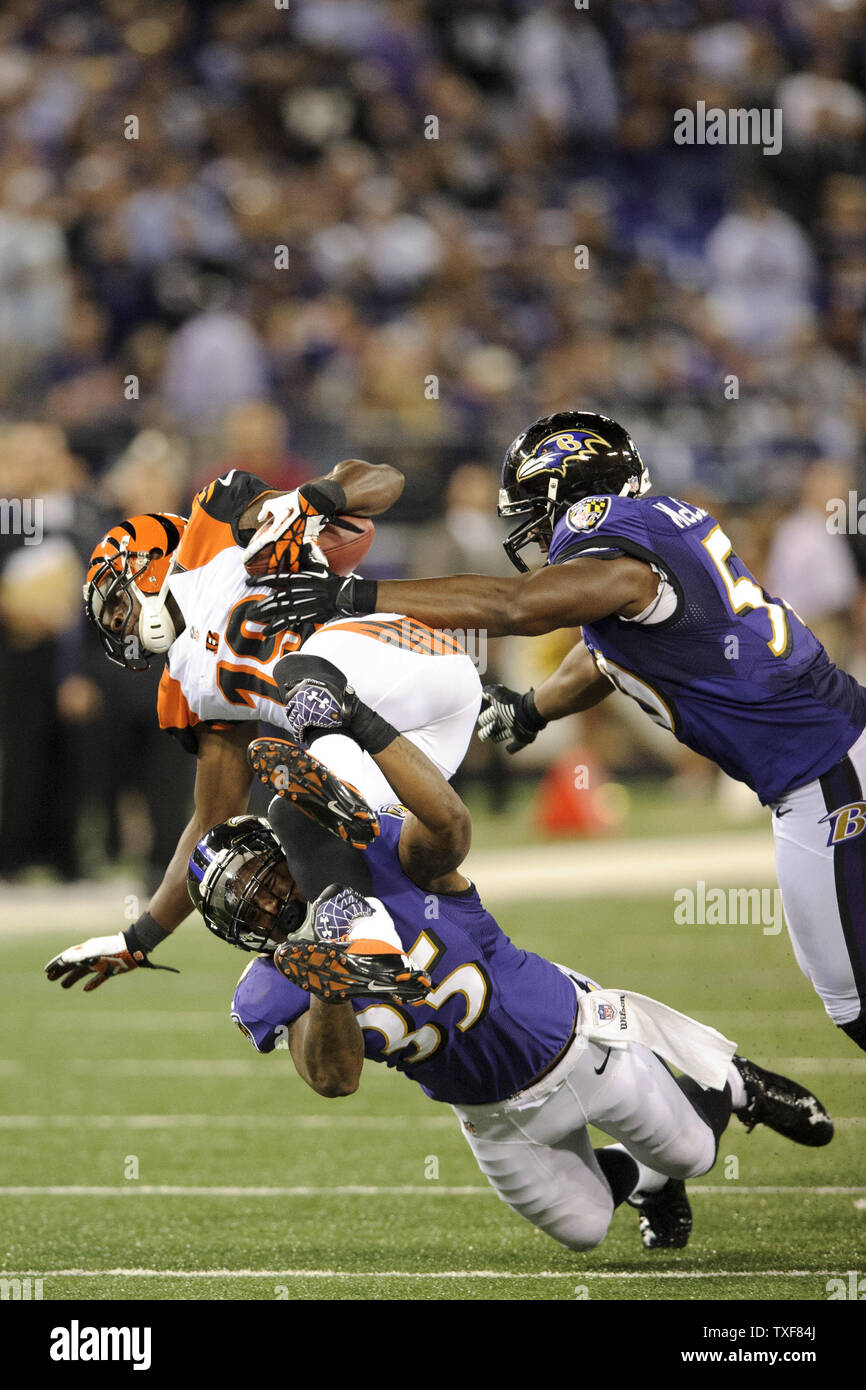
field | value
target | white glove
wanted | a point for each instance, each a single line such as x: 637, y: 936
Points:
x: 279, y: 515
x: 100, y: 956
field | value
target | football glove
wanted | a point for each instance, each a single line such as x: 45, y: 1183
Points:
x: 319, y: 699
x: 349, y: 949
x: 311, y: 597
x: 100, y: 956
x: 505, y: 714
x: 290, y: 526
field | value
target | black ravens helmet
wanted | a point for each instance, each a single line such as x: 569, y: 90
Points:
x: 239, y: 880
x: 558, y: 461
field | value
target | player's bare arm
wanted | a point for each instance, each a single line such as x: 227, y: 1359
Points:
x: 576, y: 685
x: 222, y: 788
x: 515, y: 718
x: 568, y: 595
x: 436, y: 836
x: 369, y: 489
x: 327, y: 1048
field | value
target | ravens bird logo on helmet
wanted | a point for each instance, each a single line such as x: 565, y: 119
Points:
x: 558, y: 461
x: 126, y: 588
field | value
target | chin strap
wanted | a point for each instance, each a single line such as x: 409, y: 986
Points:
x: 156, y: 630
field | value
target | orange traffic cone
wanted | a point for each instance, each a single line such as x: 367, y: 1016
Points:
x: 567, y: 802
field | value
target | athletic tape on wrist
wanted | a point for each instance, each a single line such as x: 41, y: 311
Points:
x: 144, y: 935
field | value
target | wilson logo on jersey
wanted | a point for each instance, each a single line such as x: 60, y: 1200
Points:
x: 553, y: 454
x: 585, y: 515
x: 846, y: 823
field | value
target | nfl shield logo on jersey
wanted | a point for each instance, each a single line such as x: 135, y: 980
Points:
x: 605, y: 1013
x: 588, y: 513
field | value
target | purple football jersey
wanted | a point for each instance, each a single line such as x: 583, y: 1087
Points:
x: 733, y: 673
x: 497, y: 1016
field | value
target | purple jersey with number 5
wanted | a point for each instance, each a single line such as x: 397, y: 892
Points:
x: 497, y: 1016
x: 731, y: 671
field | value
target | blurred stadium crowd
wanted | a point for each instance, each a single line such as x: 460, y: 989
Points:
x: 271, y: 237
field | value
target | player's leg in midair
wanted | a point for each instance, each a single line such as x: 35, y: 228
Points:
x: 423, y: 684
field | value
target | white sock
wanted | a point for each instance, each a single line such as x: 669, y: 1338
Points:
x: 648, y: 1180
x: 739, y: 1099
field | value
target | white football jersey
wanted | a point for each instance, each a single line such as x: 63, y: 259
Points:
x: 220, y: 670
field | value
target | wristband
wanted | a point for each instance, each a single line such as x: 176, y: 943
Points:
x: 362, y: 596
x: 143, y: 936
x: 326, y: 495
x: 369, y: 730
x: 528, y: 712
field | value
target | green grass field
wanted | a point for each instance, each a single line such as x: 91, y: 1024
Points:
x: 286, y: 1195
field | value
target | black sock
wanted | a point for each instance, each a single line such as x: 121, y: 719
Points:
x: 856, y: 1030
x: 620, y: 1170
x: 713, y: 1106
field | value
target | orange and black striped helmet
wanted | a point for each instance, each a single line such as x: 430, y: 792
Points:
x: 136, y: 554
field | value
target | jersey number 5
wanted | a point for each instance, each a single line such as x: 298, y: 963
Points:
x: 745, y: 596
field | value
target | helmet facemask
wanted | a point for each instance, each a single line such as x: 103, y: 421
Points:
x: 111, y: 585
x: 245, y: 891
x: 135, y: 560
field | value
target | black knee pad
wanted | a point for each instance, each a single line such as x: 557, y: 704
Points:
x: 856, y: 1030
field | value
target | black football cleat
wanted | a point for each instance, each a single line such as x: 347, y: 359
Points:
x: 290, y: 771
x: 782, y: 1105
x: 665, y: 1216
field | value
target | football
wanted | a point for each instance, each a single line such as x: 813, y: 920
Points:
x: 342, y: 548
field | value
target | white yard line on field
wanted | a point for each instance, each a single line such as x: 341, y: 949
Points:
x: 144, y: 1273
x: 242, y: 1122
x: 286, y: 1122
x: 136, y: 1189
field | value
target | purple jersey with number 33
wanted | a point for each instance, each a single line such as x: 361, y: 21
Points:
x: 496, y: 1017
x: 731, y: 671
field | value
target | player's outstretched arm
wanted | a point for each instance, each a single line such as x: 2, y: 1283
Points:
x: 516, y: 719
x: 576, y: 685
x: 579, y: 591
x: 221, y: 790
x: 568, y: 595
x: 327, y: 1048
